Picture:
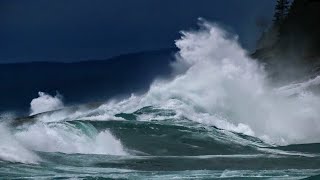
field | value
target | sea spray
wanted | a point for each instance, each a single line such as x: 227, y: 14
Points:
x: 12, y: 150
x: 45, y: 102
x: 222, y: 86
x: 231, y: 90
x: 69, y: 138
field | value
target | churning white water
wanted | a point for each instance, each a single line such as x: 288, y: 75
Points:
x: 217, y: 84
x: 222, y: 86
x: 11, y: 150
x: 45, y: 102
x: 60, y: 137
x: 67, y: 138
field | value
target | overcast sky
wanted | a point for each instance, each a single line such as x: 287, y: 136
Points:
x: 72, y: 30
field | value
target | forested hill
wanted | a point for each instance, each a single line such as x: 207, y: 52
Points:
x: 294, y: 37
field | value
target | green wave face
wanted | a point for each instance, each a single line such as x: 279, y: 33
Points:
x: 157, y: 149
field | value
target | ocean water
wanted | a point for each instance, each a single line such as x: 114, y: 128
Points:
x: 219, y: 117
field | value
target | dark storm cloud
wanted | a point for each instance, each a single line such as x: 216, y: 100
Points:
x: 69, y: 30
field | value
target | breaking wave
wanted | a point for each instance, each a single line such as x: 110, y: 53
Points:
x: 221, y: 86
x: 220, y: 101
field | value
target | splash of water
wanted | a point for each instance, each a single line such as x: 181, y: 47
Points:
x: 11, y: 150
x: 222, y: 86
x: 45, y: 102
x: 67, y: 138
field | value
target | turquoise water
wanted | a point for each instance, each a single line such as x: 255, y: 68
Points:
x: 165, y: 149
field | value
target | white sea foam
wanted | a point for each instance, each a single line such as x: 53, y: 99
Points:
x: 67, y: 138
x: 19, y: 146
x: 220, y: 85
x: 45, y: 102
x: 11, y: 149
x: 224, y: 87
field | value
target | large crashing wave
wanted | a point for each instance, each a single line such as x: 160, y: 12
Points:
x: 217, y: 84
x: 220, y: 85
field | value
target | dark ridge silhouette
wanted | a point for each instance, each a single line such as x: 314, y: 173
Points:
x: 82, y: 81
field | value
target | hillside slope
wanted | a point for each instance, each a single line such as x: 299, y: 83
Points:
x: 295, y: 50
x: 82, y: 81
